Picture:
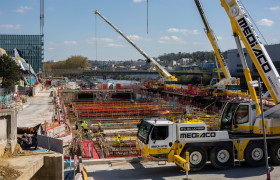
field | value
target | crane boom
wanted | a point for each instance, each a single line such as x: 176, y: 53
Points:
x: 160, y: 69
x: 242, y: 26
x: 210, y: 34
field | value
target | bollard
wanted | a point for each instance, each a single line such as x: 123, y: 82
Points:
x: 187, y: 166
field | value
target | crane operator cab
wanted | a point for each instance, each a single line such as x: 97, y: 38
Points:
x: 238, y: 116
x: 155, y: 137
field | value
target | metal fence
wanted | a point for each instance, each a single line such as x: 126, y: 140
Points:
x: 50, y: 143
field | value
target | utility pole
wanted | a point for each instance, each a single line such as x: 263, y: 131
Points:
x: 264, y: 133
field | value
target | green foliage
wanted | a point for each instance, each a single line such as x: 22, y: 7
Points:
x: 193, y: 79
x: 188, y: 79
x: 206, y: 78
x: 73, y: 62
x: 195, y: 56
x: 10, y: 72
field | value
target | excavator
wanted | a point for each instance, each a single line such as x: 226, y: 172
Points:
x: 167, y: 80
x: 228, y: 86
x: 91, y: 84
x: 239, y: 134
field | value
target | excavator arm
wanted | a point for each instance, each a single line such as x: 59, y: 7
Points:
x: 88, y: 81
x: 242, y: 27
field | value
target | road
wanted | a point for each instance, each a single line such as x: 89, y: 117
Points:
x: 38, y: 109
x: 151, y: 170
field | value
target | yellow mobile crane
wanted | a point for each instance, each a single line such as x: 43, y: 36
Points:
x: 239, y: 136
x: 167, y: 80
x: 229, y: 85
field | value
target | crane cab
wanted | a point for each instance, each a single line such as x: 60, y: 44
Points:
x: 155, y: 138
x: 239, y: 117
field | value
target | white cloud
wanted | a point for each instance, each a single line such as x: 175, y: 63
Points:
x: 23, y: 9
x: 265, y: 22
x: 184, y: 31
x: 51, y: 8
x: 197, y: 43
x: 50, y: 49
x: 113, y: 45
x: 274, y: 8
x: 52, y: 43
x: 138, y: 1
x: 70, y: 42
x: 11, y: 26
x: 275, y: 40
x: 219, y: 38
x: 93, y: 39
x: 171, y: 40
x: 135, y: 38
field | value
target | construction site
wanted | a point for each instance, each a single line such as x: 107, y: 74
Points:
x: 200, y: 115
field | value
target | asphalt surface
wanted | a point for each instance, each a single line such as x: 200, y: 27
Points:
x: 151, y: 170
x: 38, y: 109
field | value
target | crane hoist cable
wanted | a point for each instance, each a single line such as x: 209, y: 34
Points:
x: 147, y: 16
x: 253, y: 22
x: 95, y: 34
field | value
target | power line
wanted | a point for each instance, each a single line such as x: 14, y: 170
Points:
x: 254, y: 22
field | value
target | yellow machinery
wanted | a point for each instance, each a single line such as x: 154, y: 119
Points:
x: 167, y: 80
x: 239, y: 136
x: 228, y: 86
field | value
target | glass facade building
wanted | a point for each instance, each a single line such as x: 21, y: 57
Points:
x: 30, y: 46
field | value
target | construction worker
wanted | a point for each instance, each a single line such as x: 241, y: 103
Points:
x: 84, y: 126
x: 118, y: 140
x: 99, y: 125
x: 76, y: 125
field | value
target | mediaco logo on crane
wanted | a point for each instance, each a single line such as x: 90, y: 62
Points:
x: 251, y: 39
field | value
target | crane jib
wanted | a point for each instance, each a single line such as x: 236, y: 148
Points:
x: 254, y: 45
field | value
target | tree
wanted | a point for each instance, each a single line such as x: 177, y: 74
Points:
x: 73, y: 62
x: 10, y: 72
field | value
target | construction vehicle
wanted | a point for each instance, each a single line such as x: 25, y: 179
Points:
x: 167, y: 80
x: 89, y: 82
x: 239, y: 136
x: 228, y: 86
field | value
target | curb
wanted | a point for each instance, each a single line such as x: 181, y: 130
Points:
x: 89, y: 162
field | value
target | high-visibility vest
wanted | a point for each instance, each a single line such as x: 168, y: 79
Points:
x: 84, y: 125
x: 99, y: 124
x: 75, y: 122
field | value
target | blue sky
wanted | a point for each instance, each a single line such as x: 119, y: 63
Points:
x: 71, y: 28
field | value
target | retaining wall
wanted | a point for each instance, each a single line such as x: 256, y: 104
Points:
x: 8, y: 130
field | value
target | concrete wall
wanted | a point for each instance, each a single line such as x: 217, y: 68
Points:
x: 8, y: 130
x: 3, y: 135
x: 53, y: 168
x: 36, y: 89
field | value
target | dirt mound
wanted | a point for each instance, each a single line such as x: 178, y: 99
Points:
x: 8, y: 173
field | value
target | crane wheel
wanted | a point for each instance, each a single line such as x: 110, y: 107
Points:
x: 198, y: 157
x: 275, y: 154
x: 222, y: 157
x: 254, y: 154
